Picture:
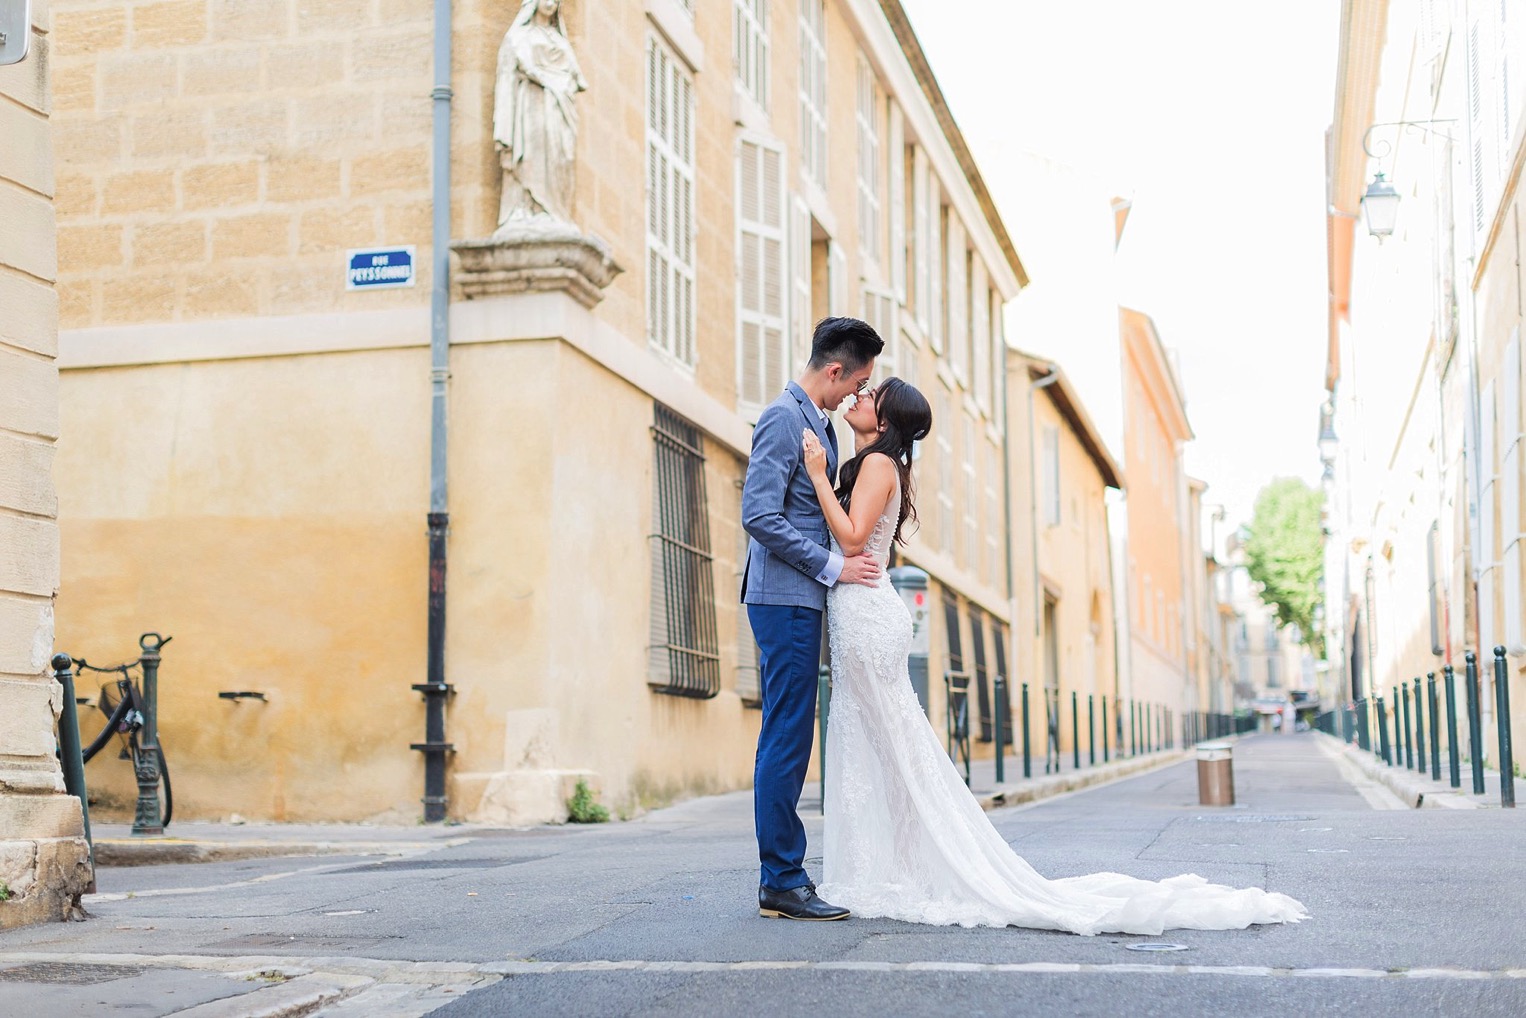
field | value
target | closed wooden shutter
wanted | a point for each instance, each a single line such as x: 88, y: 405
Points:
x: 762, y: 324
x: 800, y: 282
x: 895, y: 162
x: 670, y: 204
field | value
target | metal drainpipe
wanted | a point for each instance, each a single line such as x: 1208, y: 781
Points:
x: 435, y: 688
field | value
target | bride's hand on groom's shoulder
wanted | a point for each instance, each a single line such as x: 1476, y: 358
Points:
x: 815, y: 455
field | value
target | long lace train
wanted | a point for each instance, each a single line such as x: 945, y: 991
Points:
x: 905, y: 839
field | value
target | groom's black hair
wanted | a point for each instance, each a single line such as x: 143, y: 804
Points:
x: 850, y: 342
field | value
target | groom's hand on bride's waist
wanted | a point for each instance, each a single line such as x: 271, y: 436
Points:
x: 860, y: 569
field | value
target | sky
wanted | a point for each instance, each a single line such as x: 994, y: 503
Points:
x: 1210, y: 117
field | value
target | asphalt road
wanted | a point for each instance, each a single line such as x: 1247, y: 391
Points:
x: 1413, y: 911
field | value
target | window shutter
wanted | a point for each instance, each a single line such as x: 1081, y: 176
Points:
x: 958, y: 300
x: 998, y: 359
x: 995, y: 525
x: 980, y: 330
x: 879, y: 310
x: 1477, y: 119
x: 837, y: 280
x: 922, y: 240
x: 800, y: 282
x: 943, y: 428
x: 670, y: 205
x: 813, y: 90
x: 971, y: 557
x: 868, y: 114
x: 937, y: 265
x: 763, y: 353
x: 750, y: 48
x: 895, y: 161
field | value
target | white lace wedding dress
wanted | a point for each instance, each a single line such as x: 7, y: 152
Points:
x: 906, y: 840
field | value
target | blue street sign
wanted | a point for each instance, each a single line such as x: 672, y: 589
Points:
x: 380, y: 268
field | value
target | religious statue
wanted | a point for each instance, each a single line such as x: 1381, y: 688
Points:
x: 535, y: 126
x: 536, y: 247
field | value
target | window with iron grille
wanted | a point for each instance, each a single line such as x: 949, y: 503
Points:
x: 684, y: 657
x: 951, y: 627
x: 999, y: 645
x: 813, y: 90
x: 981, y: 678
x: 669, y: 203
x: 749, y: 48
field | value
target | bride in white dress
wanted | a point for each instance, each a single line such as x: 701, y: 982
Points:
x: 904, y: 838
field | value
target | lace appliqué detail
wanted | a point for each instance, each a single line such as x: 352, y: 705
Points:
x: 905, y: 839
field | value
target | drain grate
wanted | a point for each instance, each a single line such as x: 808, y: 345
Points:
x: 1251, y: 818
x: 68, y: 974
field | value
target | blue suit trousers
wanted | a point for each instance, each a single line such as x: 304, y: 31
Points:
x: 789, y: 639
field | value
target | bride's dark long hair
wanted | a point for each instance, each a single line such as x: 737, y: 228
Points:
x: 906, y: 418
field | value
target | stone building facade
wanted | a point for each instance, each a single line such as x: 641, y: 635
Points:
x: 44, y: 861
x: 249, y: 456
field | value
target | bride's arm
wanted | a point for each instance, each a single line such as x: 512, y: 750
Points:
x: 871, y: 493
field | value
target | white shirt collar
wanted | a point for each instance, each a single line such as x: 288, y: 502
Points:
x: 819, y: 412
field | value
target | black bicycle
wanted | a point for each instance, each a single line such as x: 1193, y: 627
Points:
x: 122, y: 702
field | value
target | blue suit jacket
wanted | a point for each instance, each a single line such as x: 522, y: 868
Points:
x: 788, y: 546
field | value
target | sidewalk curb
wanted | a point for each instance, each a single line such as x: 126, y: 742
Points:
x: 1414, y: 792
x: 306, y: 984
x: 1047, y: 787
x: 167, y: 851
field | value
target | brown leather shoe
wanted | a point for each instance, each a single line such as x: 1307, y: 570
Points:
x: 797, y: 903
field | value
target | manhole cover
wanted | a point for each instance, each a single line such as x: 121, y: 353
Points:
x: 1156, y: 946
x: 1250, y: 818
x: 64, y: 972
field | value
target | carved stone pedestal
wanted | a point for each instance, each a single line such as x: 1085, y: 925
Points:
x: 534, y: 255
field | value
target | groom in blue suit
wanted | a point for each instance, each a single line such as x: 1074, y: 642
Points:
x: 789, y: 568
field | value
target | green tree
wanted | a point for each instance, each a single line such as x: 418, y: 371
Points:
x: 1284, y: 552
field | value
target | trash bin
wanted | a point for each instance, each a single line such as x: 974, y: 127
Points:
x: 1215, y: 774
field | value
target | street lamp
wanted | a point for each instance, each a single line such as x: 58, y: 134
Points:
x: 1380, y: 207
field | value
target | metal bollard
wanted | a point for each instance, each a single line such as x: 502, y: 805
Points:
x: 823, y: 706
x: 1215, y: 774
x: 1075, y: 730
x: 1475, y: 721
x: 1027, y: 747
x: 1363, y: 726
x: 69, y: 751
x: 1430, y: 693
x: 1502, y: 712
x: 1091, y: 730
x: 1104, y: 730
x: 1453, y: 756
x: 147, y: 819
x: 1133, y: 728
x: 1398, y: 730
x: 1419, y: 729
x: 1409, y: 731
x: 1383, y: 748
x: 1003, y: 721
